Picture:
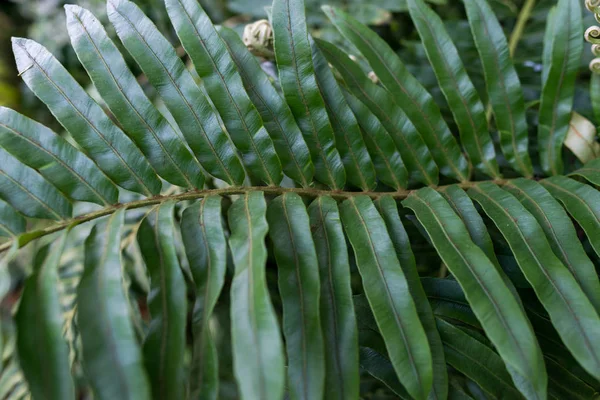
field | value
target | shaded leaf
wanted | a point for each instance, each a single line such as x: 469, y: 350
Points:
x: 299, y: 287
x: 43, y: 352
x: 111, y: 355
x: 559, y: 86
x: 338, y: 320
x: 463, y: 100
x: 224, y: 86
x: 414, y: 152
x: 387, y: 291
x: 206, y: 249
x: 184, y: 99
x: 165, y: 341
x: 502, y: 84
x: 407, y: 92
x: 275, y: 113
x: 257, y: 348
x: 300, y: 89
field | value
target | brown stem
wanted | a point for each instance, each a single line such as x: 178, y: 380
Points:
x: 196, y: 194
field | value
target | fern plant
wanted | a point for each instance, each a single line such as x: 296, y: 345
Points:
x: 295, y: 206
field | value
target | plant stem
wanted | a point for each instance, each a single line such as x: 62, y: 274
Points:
x: 517, y: 32
x: 196, y: 194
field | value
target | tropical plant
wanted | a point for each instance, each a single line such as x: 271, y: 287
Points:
x: 301, y: 235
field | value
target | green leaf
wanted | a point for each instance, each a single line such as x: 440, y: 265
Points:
x: 559, y: 87
x: 299, y: 287
x: 571, y: 312
x: 590, y: 171
x: 120, y: 90
x: 300, y: 89
x: 414, y: 152
x: 56, y: 159
x: 27, y: 191
x: 502, y: 84
x: 559, y: 229
x: 407, y: 92
x: 388, y: 209
x: 548, y: 38
x: 463, y: 206
x: 386, y: 288
x: 206, y: 249
x: 564, y: 384
x: 11, y: 222
x: 275, y: 113
x: 493, y: 303
x: 463, y: 100
x: 388, y: 163
x: 595, y: 95
x: 111, y: 354
x: 224, y: 86
x: 448, y: 301
x: 182, y: 96
x: 43, y: 352
x: 380, y: 367
x: 360, y: 171
x: 91, y: 128
x: 337, y: 310
x: 165, y: 341
x: 258, y: 359
x: 477, y: 361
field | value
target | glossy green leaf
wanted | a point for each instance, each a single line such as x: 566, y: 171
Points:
x: 581, y: 201
x: 477, y: 361
x: 165, y: 341
x: 559, y: 87
x: 388, y: 294
x: 300, y: 89
x: 43, y: 352
x: 388, y: 209
x: 11, y: 222
x: 560, y: 232
x: 27, y: 191
x: 360, y: 171
x: 224, y: 85
x: 58, y: 161
x: 299, y: 287
x: 496, y: 308
x: 111, y: 354
x: 502, y: 84
x: 182, y: 96
x: 336, y: 308
x: 275, y: 113
x: 386, y: 158
x: 206, y: 249
x: 414, y: 152
x: 595, y: 95
x: 548, y: 37
x: 463, y: 206
x: 463, y: 100
x: 571, y: 312
x: 120, y: 90
x: 258, y: 359
x: 407, y: 92
x: 91, y: 128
